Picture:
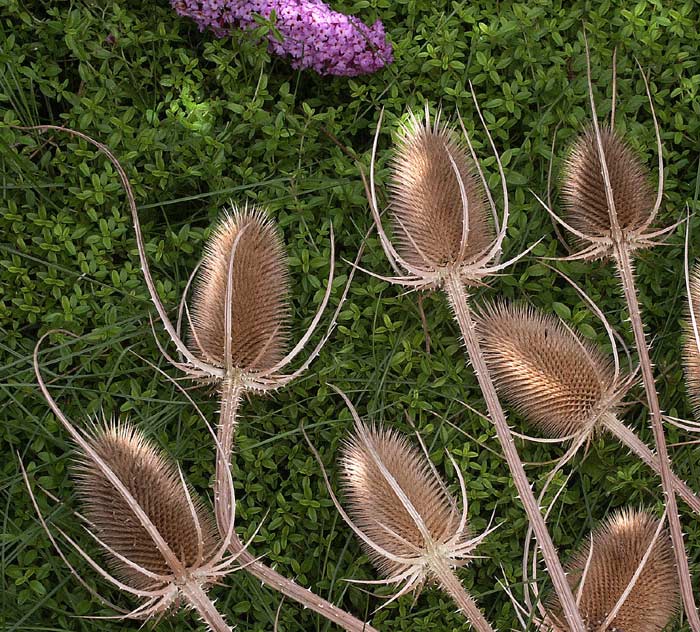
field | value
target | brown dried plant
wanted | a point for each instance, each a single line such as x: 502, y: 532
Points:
x: 610, y: 208
x: 625, y: 577
x: 439, y: 206
x: 691, y: 347
x: 238, y: 336
x: 560, y: 382
x: 403, y: 513
x: 160, y: 540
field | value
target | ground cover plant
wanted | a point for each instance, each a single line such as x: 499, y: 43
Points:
x: 198, y: 121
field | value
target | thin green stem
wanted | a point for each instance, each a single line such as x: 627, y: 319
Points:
x: 458, y: 299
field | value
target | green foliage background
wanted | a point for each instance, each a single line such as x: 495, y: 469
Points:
x: 200, y: 122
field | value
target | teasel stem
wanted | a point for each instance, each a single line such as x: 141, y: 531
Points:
x: 450, y: 583
x: 231, y: 394
x: 458, y: 298
x: 204, y: 606
x: 624, y: 265
x: 629, y: 438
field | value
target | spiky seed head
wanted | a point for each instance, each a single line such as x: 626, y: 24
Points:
x: 557, y: 380
x: 154, y: 482
x: 619, y: 545
x: 376, y: 508
x: 583, y: 187
x: 691, y: 352
x: 426, y: 200
x: 260, y: 308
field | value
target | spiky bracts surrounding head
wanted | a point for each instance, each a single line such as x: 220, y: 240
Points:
x: 154, y: 483
x: 557, y: 380
x: 618, y: 547
x: 425, y: 521
x: 433, y: 179
x: 691, y: 347
x: 259, y: 306
x: 583, y: 188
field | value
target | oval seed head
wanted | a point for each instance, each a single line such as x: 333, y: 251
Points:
x: 558, y: 381
x: 154, y: 482
x: 619, y: 545
x: 377, y: 510
x: 426, y: 200
x: 583, y: 188
x: 691, y: 352
x: 260, y: 311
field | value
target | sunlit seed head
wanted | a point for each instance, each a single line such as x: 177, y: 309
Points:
x: 691, y: 352
x: 583, y: 189
x: 426, y: 201
x: 557, y: 380
x: 619, y: 545
x: 260, y: 308
x: 154, y: 482
x: 373, y: 504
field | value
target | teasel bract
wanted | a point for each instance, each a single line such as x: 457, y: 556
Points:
x: 407, y: 520
x: 160, y: 540
x: 691, y: 347
x: 239, y: 366
x: 624, y: 576
x: 448, y: 236
x: 561, y: 383
x: 610, y: 207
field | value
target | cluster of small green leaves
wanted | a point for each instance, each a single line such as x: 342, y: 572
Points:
x: 197, y: 122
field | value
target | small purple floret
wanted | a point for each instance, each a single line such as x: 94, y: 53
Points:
x: 313, y: 35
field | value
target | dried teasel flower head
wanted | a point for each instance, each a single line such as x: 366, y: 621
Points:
x: 691, y: 348
x: 587, y: 207
x: 155, y: 484
x: 625, y: 576
x: 560, y: 382
x: 608, y: 199
x: 438, y: 203
x: 243, y: 276
x: 443, y: 214
x: 400, y: 508
x: 160, y: 540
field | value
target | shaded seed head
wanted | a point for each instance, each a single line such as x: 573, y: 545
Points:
x: 426, y: 200
x: 260, y: 311
x: 691, y: 353
x: 376, y: 508
x: 154, y: 482
x: 557, y: 380
x: 619, y: 545
x: 583, y: 188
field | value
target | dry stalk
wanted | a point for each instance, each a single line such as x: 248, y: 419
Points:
x: 442, y: 225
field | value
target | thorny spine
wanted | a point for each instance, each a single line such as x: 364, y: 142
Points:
x: 457, y: 296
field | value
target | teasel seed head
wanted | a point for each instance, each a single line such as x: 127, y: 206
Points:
x: 560, y: 382
x: 583, y: 189
x: 691, y: 349
x: 260, y: 311
x: 432, y: 176
x: 603, y: 568
x: 154, y: 483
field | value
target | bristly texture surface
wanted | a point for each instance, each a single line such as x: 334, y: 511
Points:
x: 583, y: 187
x: 691, y: 352
x: 260, y: 299
x: 426, y: 200
x: 375, y: 507
x: 619, y: 545
x: 559, y: 381
x: 155, y: 484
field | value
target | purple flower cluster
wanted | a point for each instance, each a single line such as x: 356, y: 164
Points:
x: 313, y: 35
